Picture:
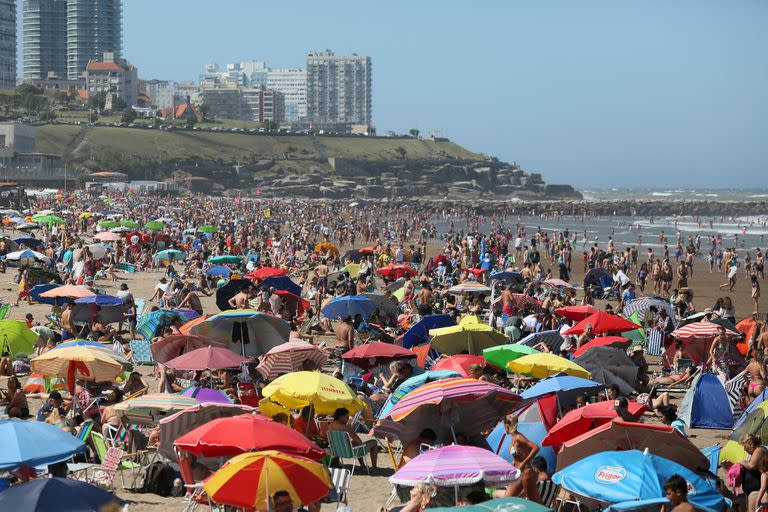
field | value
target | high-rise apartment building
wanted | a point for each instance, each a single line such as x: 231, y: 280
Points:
x: 94, y: 27
x: 44, y: 24
x: 338, y: 90
x: 292, y: 83
x: 8, y: 44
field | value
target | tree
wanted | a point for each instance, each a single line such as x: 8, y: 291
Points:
x: 402, y: 152
x: 97, y: 101
x: 128, y: 116
x: 118, y: 104
x: 414, y: 133
x: 46, y: 115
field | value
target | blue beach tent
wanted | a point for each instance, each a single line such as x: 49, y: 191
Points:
x: 706, y: 404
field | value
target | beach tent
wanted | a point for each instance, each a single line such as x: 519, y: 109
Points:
x: 706, y: 404
x: 755, y: 423
x: 609, y: 366
x: 598, y: 277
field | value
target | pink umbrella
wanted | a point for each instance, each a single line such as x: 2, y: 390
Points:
x: 165, y: 349
x: 290, y: 357
x: 208, y: 358
x: 107, y: 236
x: 456, y: 465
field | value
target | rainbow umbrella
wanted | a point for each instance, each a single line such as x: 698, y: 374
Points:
x: 251, y: 479
x: 247, y: 331
x: 93, y: 345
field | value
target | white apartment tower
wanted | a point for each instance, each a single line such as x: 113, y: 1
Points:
x: 338, y: 89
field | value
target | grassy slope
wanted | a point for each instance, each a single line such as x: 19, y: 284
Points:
x: 60, y: 139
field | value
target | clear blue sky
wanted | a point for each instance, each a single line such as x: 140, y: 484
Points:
x: 587, y: 92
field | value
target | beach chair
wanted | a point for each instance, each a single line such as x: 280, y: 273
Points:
x: 195, y: 494
x: 340, y: 481
x: 108, y: 456
x: 4, y: 311
x: 341, y: 447
x: 548, y: 491
x: 246, y: 392
x: 142, y: 354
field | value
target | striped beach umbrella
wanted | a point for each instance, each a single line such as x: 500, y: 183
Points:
x: 76, y: 362
x: 289, y: 357
x: 552, y: 339
x: 700, y: 331
x: 148, y: 410
x: 250, y: 332
x: 643, y: 304
x: 468, y: 288
x: 150, y: 322
x: 94, y: 345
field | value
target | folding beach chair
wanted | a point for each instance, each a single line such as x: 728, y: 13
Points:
x: 195, y: 495
x: 112, y: 460
x: 340, y: 481
x: 341, y: 447
x: 142, y: 354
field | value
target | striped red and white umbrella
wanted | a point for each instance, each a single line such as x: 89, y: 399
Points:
x: 699, y: 331
x: 290, y: 357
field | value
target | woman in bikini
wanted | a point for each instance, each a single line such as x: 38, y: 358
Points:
x: 523, y: 450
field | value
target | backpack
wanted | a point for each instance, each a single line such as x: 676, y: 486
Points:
x: 158, y: 479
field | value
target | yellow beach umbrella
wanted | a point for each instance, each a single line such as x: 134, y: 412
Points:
x: 296, y: 390
x: 250, y: 480
x: 467, y: 338
x: 543, y: 365
x: 353, y: 269
x: 74, y: 363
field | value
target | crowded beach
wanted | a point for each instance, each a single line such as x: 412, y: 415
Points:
x: 249, y: 354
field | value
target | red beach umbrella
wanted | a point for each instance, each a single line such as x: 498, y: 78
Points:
x: 603, y: 323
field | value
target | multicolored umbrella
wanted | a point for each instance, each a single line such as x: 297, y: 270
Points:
x: 370, y: 355
x: 412, y: 383
x: 466, y: 338
x: 324, y: 392
x: 207, y: 358
x: 147, y: 410
x: 543, y: 365
x: 16, y: 338
x: 456, y: 465
x: 247, y: 331
x: 643, y: 304
x: 227, y: 437
x: 249, y: 480
x: 450, y: 406
x: 290, y: 357
x: 74, y: 363
x: 93, y: 345
x: 151, y: 323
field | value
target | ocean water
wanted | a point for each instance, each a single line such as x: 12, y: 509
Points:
x: 671, y: 194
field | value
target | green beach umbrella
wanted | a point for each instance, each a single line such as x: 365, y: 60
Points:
x: 227, y: 258
x: 636, y: 334
x: 208, y: 229
x: 130, y: 224
x: 499, y: 356
x: 48, y: 219
x: 171, y: 255
x: 109, y: 224
x: 16, y: 338
x: 154, y: 225
x: 499, y: 504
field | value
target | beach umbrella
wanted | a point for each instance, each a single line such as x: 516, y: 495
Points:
x: 545, y: 365
x: 16, y: 338
x: 610, y: 366
x: 206, y: 395
x: 104, y: 308
x: 323, y: 392
x: 294, y: 303
x: 349, y: 306
x: 227, y: 437
x: 177, y: 424
x: 603, y: 323
x: 661, y: 440
x: 78, y: 362
x: 564, y: 386
x: 396, y: 271
x: 618, y: 342
x: 171, y: 255
x: 385, y: 304
x: 58, y: 495
x: 121, y: 230
x: 93, y: 345
x: 281, y: 283
x: 68, y: 291
x: 412, y: 383
x: 552, y: 339
x: 249, y: 480
x: 38, y: 289
x: 247, y: 331
x: 208, y: 229
x: 265, y: 272
x: 377, y: 353
x: 34, y: 443
x: 577, y: 313
x: 638, y: 335
x: 27, y: 225
x: 324, y: 247
x: 219, y: 270
x: 107, y: 236
x: 352, y: 255
x: 418, y: 333
x: 448, y: 406
x: 27, y: 257
x: 558, y: 283
x: 456, y: 465
x: 169, y: 347
x: 290, y: 357
x: 154, y: 226
x: 189, y: 324
x: 520, y: 301
x: 29, y: 241
x: 226, y: 258
x: 579, y: 421
x: 459, y: 363
x: 151, y: 323
x: 207, y: 358
x: 619, y: 476
x: 109, y: 224
x: 469, y: 288
x: 229, y: 290
x: 132, y: 224
x: 500, y: 355
x: 509, y: 277
x: 643, y: 304
x: 705, y: 331
x: 499, y: 505
x: 466, y: 339
x: 48, y: 219
x: 147, y: 410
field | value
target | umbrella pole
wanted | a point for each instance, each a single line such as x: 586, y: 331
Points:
x: 456, y: 494
x: 310, y: 418
x: 453, y: 434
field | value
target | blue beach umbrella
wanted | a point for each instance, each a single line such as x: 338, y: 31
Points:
x: 29, y: 241
x: 100, y: 300
x: 57, y: 495
x: 149, y: 322
x: 219, y: 270
x: 619, y: 476
x: 418, y: 333
x: 34, y: 443
x: 561, y: 384
x: 281, y: 283
x: 350, y: 306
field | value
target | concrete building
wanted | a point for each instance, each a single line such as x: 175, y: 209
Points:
x: 161, y: 92
x: 44, y: 24
x: 292, y: 83
x: 227, y: 101
x: 263, y: 105
x: 223, y: 102
x: 94, y: 27
x: 20, y: 161
x: 255, y: 72
x: 338, y: 90
x: 113, y: 76
x: 187, y: 92
x: 7, y: 44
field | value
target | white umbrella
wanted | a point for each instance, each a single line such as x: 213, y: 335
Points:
x: 27, y: 257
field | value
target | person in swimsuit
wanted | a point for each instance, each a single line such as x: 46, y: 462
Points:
x: 756, y: 372
x: 16, y: 399
x: 756, y: 456
x: 523, y: 450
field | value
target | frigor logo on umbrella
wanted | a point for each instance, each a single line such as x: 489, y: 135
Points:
x: 610, y: 474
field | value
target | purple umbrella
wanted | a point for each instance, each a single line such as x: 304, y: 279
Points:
x: 206, y: 395
x: 188, y: 313
x: 456, y: 465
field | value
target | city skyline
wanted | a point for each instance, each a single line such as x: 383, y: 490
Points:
x: 589, y: 94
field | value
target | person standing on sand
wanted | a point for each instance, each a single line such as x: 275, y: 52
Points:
x: 755, y: 292
x: 733, y: 270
